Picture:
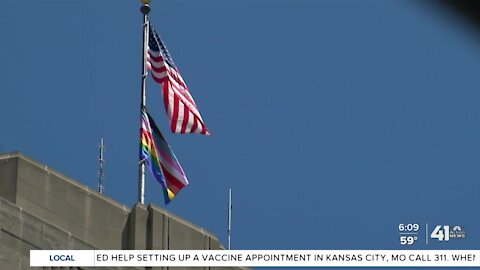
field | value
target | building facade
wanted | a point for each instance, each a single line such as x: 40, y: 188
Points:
x: 42, y: 209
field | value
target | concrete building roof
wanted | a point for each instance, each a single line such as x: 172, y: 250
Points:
x: 42, y: 209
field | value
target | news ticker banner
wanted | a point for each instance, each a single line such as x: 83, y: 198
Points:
x: 255, y: 258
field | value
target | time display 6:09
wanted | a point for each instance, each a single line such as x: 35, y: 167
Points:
x: 409, y: 227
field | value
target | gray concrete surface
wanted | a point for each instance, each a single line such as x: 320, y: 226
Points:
x: 43, y: 209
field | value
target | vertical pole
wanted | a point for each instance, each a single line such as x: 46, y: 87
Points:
x: 100, y: 170
x: 426, y: 234
x: 229, y: 230
x: 145, y: 9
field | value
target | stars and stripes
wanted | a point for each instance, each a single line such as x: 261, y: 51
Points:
x: 181, y: 109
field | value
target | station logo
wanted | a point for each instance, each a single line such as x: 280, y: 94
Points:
x: 458, y: 233
x: 447, y: 232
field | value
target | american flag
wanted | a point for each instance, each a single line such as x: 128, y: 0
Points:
x: 181, y: 109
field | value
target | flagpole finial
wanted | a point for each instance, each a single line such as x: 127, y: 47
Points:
x: 145, y: 9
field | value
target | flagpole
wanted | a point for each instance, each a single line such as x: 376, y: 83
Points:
x: 145, y: 9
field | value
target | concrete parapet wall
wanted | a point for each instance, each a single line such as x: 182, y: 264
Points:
x: 21, y: 232
x: 42, y: 209
x: 63, y: 202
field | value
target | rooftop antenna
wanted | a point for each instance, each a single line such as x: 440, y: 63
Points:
x: 229, y: 229
x: 101, y: 161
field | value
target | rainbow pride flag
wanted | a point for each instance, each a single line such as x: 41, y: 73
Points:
x: 160, y: 159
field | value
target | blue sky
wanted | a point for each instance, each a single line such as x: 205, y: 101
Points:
x: 332, y: 121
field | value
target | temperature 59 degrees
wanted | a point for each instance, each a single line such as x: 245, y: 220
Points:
x: 408, y: 240
x: 408, y: 233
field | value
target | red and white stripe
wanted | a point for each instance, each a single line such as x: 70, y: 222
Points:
x: 181, y: 108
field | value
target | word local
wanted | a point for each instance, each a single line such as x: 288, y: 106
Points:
x: 62, y: 258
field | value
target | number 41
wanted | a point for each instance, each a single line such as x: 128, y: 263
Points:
x: 442, y: 233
